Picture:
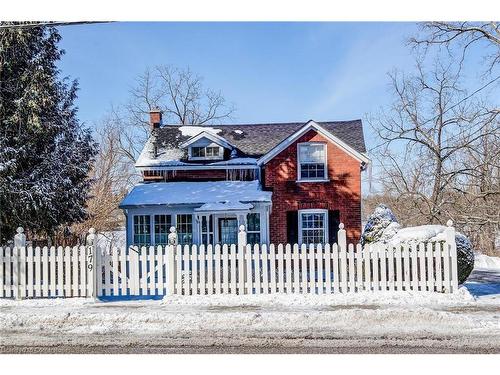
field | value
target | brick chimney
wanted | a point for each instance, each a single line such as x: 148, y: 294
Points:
x: 155, y: 118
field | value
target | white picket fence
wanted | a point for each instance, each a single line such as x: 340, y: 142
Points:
x: 27, y: 272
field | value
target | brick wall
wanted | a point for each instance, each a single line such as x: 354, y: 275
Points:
x: 342, y: 192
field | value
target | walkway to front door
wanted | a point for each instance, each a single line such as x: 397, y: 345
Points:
x: 228, y: 231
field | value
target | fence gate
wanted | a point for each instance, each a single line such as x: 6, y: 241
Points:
x: 132, y: 272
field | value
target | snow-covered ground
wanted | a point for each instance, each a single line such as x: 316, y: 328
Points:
x: 468, y: 321
x: 482, y: 261
x: 363, y: 322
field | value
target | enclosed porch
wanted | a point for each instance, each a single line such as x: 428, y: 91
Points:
x: 202, y: 212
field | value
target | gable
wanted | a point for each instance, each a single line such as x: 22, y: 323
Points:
x: 206, y: 138
x: 313, y: 126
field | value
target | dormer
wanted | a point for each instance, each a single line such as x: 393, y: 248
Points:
x: 206, y: 146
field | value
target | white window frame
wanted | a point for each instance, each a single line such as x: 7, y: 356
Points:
x: 299, y: 171
x: 314, y: 211
x: 220, y: 157
x: 254, y: 231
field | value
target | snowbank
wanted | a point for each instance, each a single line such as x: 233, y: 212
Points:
x: 313, y: 300
x: 482, y: 261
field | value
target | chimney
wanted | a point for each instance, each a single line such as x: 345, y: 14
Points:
x: 155, y: 118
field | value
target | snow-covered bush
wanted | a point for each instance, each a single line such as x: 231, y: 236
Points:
x: 382, y: 226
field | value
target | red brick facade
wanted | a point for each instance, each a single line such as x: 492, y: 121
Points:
x: 342, y: 192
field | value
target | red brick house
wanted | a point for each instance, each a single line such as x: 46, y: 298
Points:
x: 286, y: 182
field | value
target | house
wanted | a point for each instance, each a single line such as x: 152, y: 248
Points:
x: 286, y: 182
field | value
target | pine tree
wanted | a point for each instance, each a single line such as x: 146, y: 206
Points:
x: 45, y: 153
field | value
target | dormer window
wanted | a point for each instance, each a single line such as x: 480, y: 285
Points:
x: 206, y: 152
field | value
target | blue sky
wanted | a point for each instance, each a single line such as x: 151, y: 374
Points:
x: 272, y: 72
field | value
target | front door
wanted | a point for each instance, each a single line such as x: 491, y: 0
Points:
x: 228, y: 231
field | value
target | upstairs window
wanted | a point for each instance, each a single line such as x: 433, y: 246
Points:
x: 208, y: 152
x: 312, y: 161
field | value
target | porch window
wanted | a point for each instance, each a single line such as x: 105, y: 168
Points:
x: 142, y: 230
x: 253, y: 228
x: 185, y: 229
x: 207, y: 231
x: 162, y: 229
x: 312, y: 161
x: 313, y: 226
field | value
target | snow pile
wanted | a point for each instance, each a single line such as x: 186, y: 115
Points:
x: 314, y: 300
x: 482, y: 261
x: 420, y: 233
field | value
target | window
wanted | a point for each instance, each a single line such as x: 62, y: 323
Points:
x: 253, y: 228
x: 313, y: 226
x: 185, y: 229
x: 312, y: 161
x: 162, y: 229
x: 209, y: 152
x: 142, y: 230
x: 207, y: 231
x: 212, y: 151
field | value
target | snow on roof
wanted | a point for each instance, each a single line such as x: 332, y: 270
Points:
x: 164, y: 157
x: 192, y: 130
x: 172, y: 193
x: 225, y: 206
x: 238, y: 161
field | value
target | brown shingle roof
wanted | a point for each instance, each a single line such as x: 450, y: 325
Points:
x: 256, y: 140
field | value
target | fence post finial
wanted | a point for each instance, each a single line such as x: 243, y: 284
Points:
x: 242, y: 236
x: 451, y: 243
x: 20, y: 238
x: 90, y: 239
x: 341, y: 237
x: 172, y: 236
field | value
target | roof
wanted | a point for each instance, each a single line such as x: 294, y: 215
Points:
x: 250, y: 140
x: 173, y: 193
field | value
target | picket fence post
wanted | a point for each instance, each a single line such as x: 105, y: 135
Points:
x: 342, y: 244
x: 90, y: 243
x: 173, y: 241
x: 452, y: 247
x: 19, y: 276
x: 242, y: 243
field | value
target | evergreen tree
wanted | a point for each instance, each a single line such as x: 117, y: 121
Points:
x: 45, y: 154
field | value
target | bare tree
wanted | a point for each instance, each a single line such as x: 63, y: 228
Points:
x: 179, y: 94
x: 462, y: 35
x: 112, y: 176
x: 431, y: 130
